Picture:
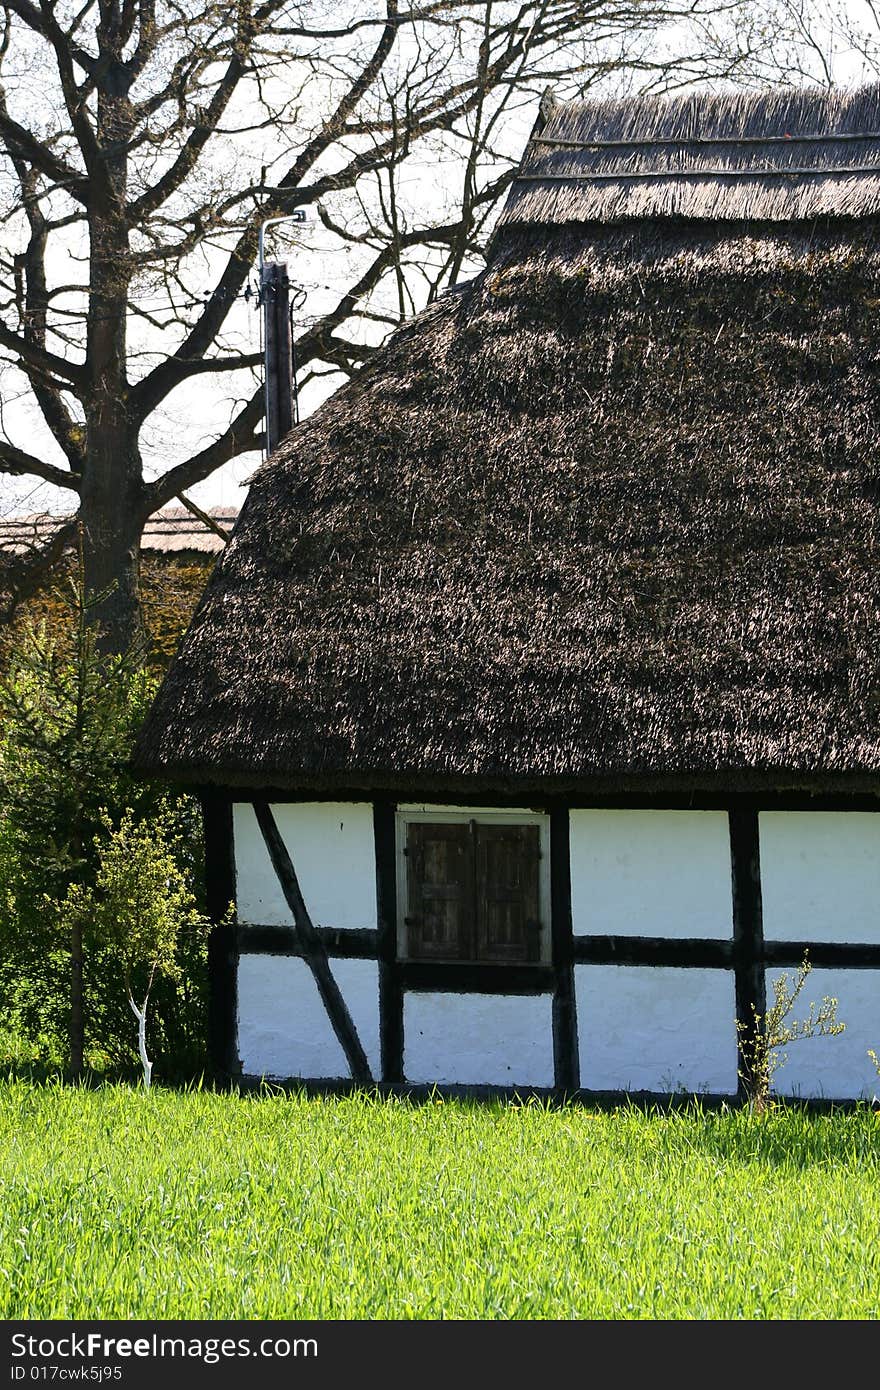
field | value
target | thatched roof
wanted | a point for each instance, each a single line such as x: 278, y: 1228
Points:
x: 606, y: 517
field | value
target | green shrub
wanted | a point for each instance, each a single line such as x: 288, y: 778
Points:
x: 764, y: 1043
x: 68, y: 718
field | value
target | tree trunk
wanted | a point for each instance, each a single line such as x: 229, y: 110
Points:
x: 141, y: 1016
x: 112, y: 494
x: 110, y: 512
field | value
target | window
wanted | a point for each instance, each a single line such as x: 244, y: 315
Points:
x: 472, y: 887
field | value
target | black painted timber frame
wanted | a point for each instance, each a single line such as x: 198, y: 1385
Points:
x: 566, y: 1061
x: 745, y: 953
x: 748, y: 941
x: 390, y: 984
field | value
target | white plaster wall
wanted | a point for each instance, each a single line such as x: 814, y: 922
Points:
x: 820, y: 875
x: 656, y: 1028
x: 834, y: 1068
x: 283, y: 1028
x: 651, y: 873
x: 478, y: 1039
x: 332, y: 848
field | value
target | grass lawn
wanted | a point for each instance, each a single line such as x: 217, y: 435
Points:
x: 121, y: 1204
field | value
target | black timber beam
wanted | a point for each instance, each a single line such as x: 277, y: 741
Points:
x: 356, y: 943
x: 566, y: 1062
x: 390, y: 991
x: 748, y: 941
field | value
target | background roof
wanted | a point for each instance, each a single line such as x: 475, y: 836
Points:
x: 173, y: 530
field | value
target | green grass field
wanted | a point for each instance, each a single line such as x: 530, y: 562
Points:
x: 121, y: 1204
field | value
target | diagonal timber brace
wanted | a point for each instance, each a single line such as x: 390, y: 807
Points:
x: 314, y: 952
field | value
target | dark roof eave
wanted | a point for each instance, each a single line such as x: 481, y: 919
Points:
x: 717, y: 785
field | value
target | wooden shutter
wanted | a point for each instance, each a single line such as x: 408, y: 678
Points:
x: 508, y: 925
x: 440, y: 891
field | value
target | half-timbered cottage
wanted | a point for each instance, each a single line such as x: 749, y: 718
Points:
x: 535, y: 703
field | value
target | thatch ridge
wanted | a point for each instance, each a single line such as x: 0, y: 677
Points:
x: 729, y: 181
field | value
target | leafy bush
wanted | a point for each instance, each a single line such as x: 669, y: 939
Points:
x: 137, y: 909
x: 68, y: 717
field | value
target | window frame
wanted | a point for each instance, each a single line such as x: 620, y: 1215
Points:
x: 423, y: 814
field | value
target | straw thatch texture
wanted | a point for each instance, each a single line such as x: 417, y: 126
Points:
x: 605, y: 517
x: 756, y: 138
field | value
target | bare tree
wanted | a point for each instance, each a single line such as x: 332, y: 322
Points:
x: 142, y: 144
x: 826, y: 42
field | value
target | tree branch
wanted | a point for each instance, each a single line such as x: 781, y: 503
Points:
x: 74, y: 99
x: 146, y: 39
x: 237, y: 439
x: 317, y: 342
x: 203, y: 128
x: 20, y: 140
x: 22, y: 575
x: 38, y: 357
x: 335, y: 124
x: 205, y: 123
x: 188, y: 358
x: 204, y: 517
x: 36, y: 304
x: 36, y: 20
x: 16, y: 462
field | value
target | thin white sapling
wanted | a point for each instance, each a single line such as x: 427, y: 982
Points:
x: 139, y: 905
